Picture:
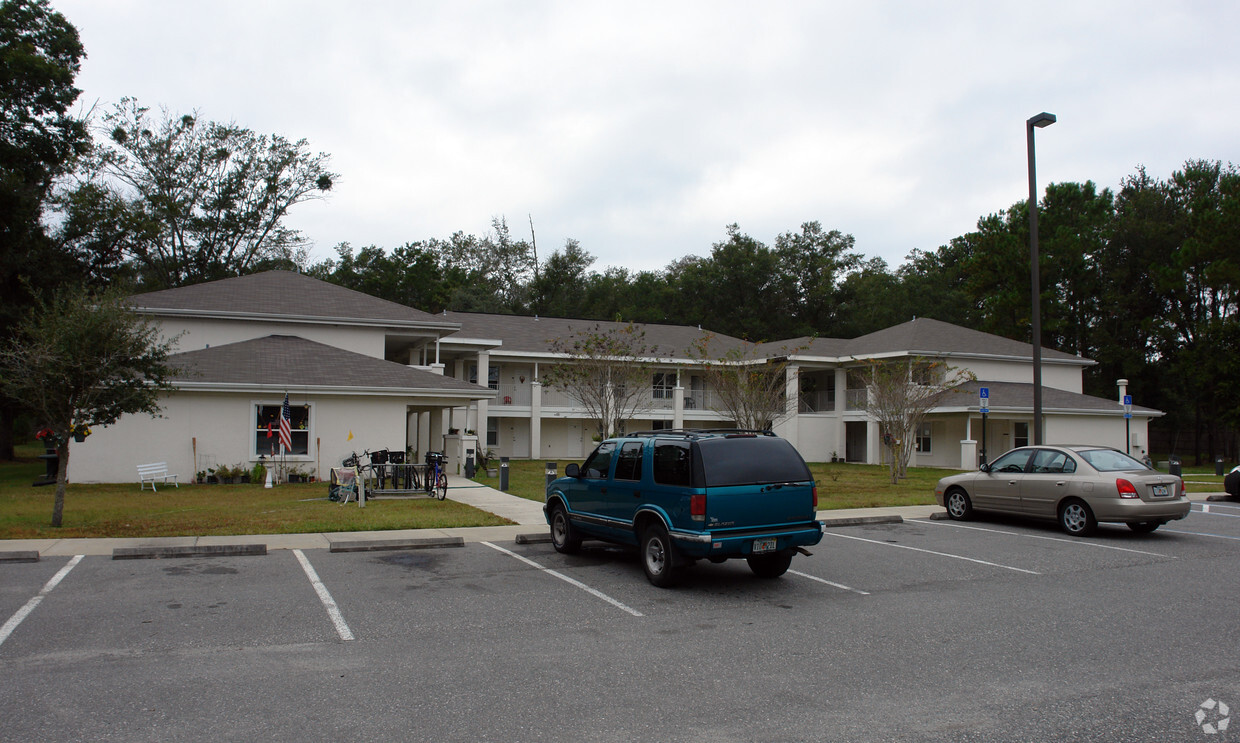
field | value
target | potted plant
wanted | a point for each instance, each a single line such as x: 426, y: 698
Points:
x: 295, y: 474
x: 201, y: 476
x: 213, y: 477
x: 258, y: 473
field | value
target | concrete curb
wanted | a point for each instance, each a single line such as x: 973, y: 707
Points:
x: 206, y: 550
x: 19, y: 556
x: 377, y: 545
x: 862, y: 520
x: 537, y: 538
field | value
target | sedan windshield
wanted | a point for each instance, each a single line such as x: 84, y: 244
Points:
x: 1109, y: 460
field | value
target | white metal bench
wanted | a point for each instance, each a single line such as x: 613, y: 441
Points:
x: 155, y: 471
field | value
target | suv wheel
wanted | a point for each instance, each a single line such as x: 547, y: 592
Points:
x: 563, y: 536
x: 657, y: 557
x: 770, y: 566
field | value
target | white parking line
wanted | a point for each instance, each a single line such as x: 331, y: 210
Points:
x: 24, y: 612
x: 1200, y: 534
x: 1080, y: 542
x: 325, y: 596
x: 1211, y: 508
x: 593, y: 592
x: 932, y: 552
x: 840, y: 586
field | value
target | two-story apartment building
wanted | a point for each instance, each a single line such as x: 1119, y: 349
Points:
x: 365, y: 373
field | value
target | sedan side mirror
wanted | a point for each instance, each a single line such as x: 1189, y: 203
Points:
x: 984, y: 468
x: 572, y: 470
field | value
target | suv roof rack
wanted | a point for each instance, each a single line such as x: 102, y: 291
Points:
x: 696, y: 432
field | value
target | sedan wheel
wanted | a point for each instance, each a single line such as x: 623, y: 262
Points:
x: 959, y: 507
x: 1076, y: 518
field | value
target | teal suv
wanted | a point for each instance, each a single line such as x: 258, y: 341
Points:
x: 683, y: 496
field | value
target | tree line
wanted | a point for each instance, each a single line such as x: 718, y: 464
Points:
x: 1142, y: 279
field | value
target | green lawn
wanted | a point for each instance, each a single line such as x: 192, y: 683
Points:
x: 122, y: 510
x: 839, y: 485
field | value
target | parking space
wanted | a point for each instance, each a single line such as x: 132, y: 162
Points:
x: 272, y: 600
x: 481, y: 641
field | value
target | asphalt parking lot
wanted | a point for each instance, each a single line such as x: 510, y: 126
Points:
x: 925, y: 630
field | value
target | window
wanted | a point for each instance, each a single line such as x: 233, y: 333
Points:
x: 749, y: 460
x: 1052, y: 461
x: 1013, y: 461
x: 599, y: 463
x: 672, y: 463
x: 1020, y: 435
x: 267, y: 430
x: 492, y: 375
x: 923, y: 438
x: 492, y: 432
x: 629, y: 463
x: 660, y: 425
x: 664, y: 383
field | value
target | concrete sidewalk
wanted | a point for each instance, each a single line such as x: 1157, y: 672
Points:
x: 527, y: 514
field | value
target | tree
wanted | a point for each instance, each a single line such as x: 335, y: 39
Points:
x: 607, y: 370
x: 81, y: 361
x: 899, y: 394
x: 751, y: 385
x: 40, y: 55
x: 187, y: 200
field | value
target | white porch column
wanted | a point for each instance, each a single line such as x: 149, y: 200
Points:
x: 678, y: 405
x: 484, y: 379
x: 792, y: 405
x: 841, y: 404
x: 535, y: 419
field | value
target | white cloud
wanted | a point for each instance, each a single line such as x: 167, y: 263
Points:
x: 642, y: 129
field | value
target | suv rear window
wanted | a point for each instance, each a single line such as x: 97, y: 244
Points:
x: 750, y: 460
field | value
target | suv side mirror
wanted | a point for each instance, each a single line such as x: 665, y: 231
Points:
x: 572, y: 470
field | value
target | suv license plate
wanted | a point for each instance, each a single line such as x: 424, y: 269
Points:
x: 1161, y: 490
x: 764, y: 545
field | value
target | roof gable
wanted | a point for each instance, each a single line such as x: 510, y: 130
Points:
x: 923, y: 336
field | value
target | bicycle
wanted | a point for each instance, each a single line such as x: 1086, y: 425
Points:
x: 436, y: 480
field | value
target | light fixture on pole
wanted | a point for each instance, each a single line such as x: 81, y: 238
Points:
x: 1040, y: 121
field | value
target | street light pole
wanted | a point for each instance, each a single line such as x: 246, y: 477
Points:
x: 1040, y: 121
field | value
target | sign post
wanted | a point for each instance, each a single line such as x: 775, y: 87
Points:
x: 984, y: 392
x: 1128, y: 424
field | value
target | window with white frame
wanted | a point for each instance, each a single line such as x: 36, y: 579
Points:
x: 1020, y: 434
x: 492, y: 431
x: 267, y: 429
x: 924, y: 432
x: 492, y: 375
x: 664, y: 383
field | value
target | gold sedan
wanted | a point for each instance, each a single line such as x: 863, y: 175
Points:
x: 1079, y: 486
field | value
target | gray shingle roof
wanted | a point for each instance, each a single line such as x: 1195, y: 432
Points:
x: 286, y: 360
x: 522, y: 334
x: 1019, y: 395
x: 926, y: 337
x: 280, y: 294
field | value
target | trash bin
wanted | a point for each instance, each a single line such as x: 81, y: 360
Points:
x: 1218, y: 466
x: 1174, y: 465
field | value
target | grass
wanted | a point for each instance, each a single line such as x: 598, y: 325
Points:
x: 122, y: 510
x: 839, y: 485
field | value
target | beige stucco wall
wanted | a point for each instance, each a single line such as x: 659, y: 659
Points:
x: 1066, y: 377
x: 200, y: 333
x: 221, y: 424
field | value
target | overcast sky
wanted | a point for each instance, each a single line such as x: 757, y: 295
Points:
x: 643, y: 129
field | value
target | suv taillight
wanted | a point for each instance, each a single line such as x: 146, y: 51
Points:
x: 815, y: 497
x: 1125, y: 488
x: 697, y: 507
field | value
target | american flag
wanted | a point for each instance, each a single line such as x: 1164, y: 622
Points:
x: 286, y: 426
